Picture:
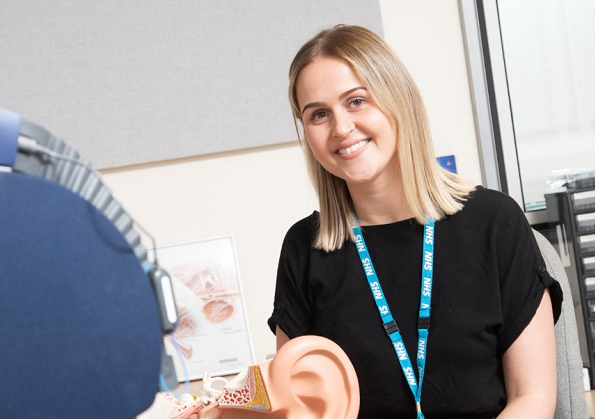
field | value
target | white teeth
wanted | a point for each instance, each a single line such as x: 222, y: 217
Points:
x: 353, y: 148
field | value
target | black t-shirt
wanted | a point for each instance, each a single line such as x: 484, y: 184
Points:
x: 489, y: 278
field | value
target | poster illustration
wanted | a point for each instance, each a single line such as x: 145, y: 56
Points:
x: 213, y: 334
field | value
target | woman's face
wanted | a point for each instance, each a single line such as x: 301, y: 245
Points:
x: 347, y: 132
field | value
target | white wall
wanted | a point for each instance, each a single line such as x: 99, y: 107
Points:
x: 427, y: 36
x: 256, y: 195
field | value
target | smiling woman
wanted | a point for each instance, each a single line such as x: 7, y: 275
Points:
x: 352, y: 66
x: 461, y: 256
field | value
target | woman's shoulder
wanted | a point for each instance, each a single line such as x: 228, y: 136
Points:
x: 486, y: 202
x: 303, y: 230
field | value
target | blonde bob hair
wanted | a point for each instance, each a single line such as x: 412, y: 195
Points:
x: 431, y: 191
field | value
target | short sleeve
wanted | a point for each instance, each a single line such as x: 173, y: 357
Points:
x: 522, y: 274
x: 292, y: 308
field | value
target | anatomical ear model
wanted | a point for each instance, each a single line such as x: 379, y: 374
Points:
x: 309, y: 378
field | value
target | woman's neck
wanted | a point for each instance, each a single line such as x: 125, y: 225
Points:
x: 380, y: 203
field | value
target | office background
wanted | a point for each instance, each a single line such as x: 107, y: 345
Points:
x: 257, y: 192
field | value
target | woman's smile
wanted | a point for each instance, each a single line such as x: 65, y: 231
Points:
x: 348, y: 151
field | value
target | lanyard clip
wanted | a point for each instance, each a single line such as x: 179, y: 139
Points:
x: 423, y: 323
x: 391, y: 328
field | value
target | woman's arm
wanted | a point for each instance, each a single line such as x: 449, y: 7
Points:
x: 282, y: 338
x: 530, y: 368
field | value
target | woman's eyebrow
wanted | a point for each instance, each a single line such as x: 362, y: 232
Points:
x: 311, y: 105
x: 350, y: 91
x: 341, y: 97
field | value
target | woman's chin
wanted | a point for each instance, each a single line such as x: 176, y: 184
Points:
x: 360, y: 180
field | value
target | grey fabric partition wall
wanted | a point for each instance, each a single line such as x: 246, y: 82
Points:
x: 130, y: 82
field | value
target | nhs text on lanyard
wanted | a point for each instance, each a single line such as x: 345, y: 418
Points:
x: 425, y: 305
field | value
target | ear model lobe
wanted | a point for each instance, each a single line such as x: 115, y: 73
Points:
x: 312, y: 377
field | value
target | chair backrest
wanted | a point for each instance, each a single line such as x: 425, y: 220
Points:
x: 571, y: 403
x: 80, y: 335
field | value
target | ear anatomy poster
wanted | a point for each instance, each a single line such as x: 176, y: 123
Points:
x: 213, y: 334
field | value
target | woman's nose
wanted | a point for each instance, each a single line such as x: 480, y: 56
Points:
x: 343, y: 124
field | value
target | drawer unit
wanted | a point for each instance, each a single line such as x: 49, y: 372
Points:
x: 583, y: 200
x: 585, y: 223
x: 571, y: 216
x: 590, y: 284
x: 589, y: 265
x: 586, y: 243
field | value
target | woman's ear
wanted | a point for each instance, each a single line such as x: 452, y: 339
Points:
x: 311, y: 377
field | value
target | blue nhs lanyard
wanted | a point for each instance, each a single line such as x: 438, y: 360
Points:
x: 425, y: 305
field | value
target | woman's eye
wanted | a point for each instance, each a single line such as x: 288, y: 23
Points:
x: 356, y: 102
x: 317, y: 116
